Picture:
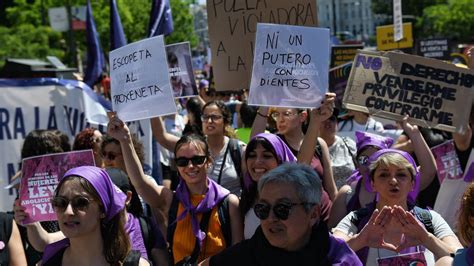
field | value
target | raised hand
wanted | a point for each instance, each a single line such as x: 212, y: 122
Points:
x: 19, y: 212
x: 326, y: 109
x: 414, y: 232
x: 117, y: 128
x: 407, y: 127
x: 373, y: 232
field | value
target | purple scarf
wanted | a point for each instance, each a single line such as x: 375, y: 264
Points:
x: 470, y: 254
x: 213, y: 197
x: 282, y: 151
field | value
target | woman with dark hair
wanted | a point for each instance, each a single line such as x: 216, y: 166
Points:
x: 11, y: 248
x: 91, y: 215
x: 264, y: 152
x: 194, y: 110
x: 196, y: 201
x: 89, y: 139
x: 216, y: 126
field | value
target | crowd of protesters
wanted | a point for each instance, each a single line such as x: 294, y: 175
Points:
x: 242, y: 185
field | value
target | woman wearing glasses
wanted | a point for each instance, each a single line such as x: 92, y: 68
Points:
x: 196, y: 230
x: 358, y: 193
x: 291, y: 231
x: 91, y: 215
x: 216, y: 126
x: 392, y: 225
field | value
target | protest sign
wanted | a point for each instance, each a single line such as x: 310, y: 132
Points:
x: 341, y: 54
x: 397, y: 20
x: 391, y: 85
x: 290, y: 66
x: 386, y: 41
x: 181, y: 70
x: 232, y: 27
x: 447, y: 161
x: 338, y: 77
x: 65, y: 105
x: 434, y: 48
x: 140, y: 81
x: 40, y: 177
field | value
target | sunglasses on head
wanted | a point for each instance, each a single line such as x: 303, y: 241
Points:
x: 362, y: 160
x: 110, y: 155
x: 79, y: 203
x: 196, y: 160
x: 280, y: 210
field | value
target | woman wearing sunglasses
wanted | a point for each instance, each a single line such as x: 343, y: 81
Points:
x: 216, y: 126
x: 291, y: 231
x: 358, y: 193
x: 91, y: 214
x: 264, y: 152
x: 197, y: 230
x: 392, y: 225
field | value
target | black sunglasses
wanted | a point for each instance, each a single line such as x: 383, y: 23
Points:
x: 196, y: 160
x: 79, y: 203
x: 109, y: 155
x: 280, y: 210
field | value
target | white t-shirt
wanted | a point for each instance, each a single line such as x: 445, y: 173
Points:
x: 229, y: 178
x: 341, y: 159
x: 251, y: 222
x: 441, y: 230
x: 347, y: 128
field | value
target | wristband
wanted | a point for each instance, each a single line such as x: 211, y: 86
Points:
x: 262, y: 115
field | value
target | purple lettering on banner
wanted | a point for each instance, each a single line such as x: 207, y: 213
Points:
x: 369, y: 62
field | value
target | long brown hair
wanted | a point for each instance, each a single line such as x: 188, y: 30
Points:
x: 466, y: 213
x: 116, y: 243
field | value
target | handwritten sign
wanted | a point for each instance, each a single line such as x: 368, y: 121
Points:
x: 391, y: 85
x: 338, y: 77
x: 434, y: 48
x: 290, y: 67
x: 140, y: 81
x: 342, y: 54
x: 447, y: 161
x: 181, y: 70
x: 232, y: 27
x: 39, y: 180
x: 386, y: 40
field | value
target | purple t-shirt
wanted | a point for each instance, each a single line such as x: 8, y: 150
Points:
x: 132, y: 227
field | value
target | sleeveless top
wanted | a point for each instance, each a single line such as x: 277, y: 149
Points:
x: 184, y: 239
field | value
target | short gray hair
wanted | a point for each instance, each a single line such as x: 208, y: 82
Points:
x: 303, y: 178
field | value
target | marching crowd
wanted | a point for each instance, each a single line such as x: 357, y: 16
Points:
x: 292, y: 187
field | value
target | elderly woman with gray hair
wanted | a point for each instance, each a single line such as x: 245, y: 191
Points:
x: 290, y: 232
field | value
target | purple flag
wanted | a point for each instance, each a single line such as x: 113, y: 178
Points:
x: 161, y: 20
x: 95, y: 58
x: 117, y: 35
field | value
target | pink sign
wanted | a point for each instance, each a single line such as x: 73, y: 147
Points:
x: 411, y: 259
x: 447, y: 161
x: 40, y: 176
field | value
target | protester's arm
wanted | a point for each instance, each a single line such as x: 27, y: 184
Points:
x: 328, y: 178
x: 37, y: 236
x: 15, y: 248
x: 155, y: 195
x: 260, y: 123
x: 423, y: 153
x: 236, y: 223
x: 143, y: 262
x: 165, y: 139
x: 403, y: 143
x: 463, y: 140
x: 339, y: 207
x: 317, y: 116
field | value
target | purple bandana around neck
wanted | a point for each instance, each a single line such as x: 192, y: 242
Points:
x: 282, y: 151
x: 214, y: 195
x: 113, y: 199
x: 414, y: 192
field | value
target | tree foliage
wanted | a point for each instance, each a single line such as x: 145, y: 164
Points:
x: 24, y: 35
x: 452, y: 20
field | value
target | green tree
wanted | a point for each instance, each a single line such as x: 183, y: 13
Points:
x: 452, y: 20
x: 23, y: 34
